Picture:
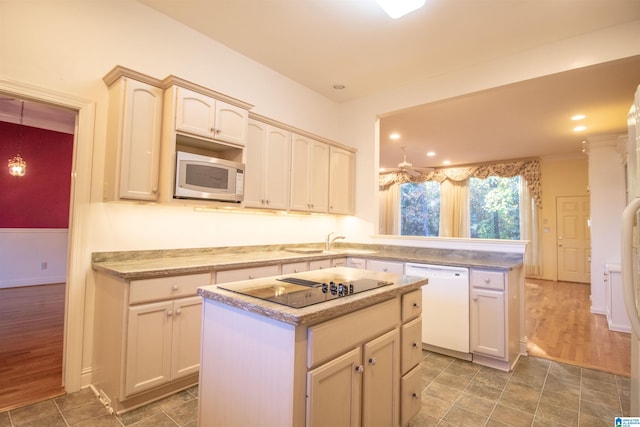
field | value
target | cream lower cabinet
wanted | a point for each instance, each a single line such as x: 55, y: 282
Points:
x: 163, y: 343
x: 494, y: 318
x: 147, y: 338
x: 346, y: 371
x: 361, y: 386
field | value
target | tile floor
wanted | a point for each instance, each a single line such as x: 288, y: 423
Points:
x: 456, y: 393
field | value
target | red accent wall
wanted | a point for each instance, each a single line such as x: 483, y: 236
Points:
x: 40, y: 199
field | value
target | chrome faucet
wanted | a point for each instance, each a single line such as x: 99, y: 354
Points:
x: 329, y: 241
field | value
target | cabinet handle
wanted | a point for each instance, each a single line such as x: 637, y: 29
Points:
x: 372, y: 361
x: 218, y: 131
x: 175, y: 288
x: 414, y: 395
x: 359, y: 368
x: 178, y: 311
x: 475, y: 298
x: 251, y: 276
x: 169, y: 313
x: 416, y: 305
x: 414, y: 345
x: 487, y: 281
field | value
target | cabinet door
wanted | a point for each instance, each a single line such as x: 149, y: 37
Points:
x: 195, y: 113
x: 319, y: 179
x: 148, y: 351
x: 410, y: 395
x: 341, y: 181
x: 334, y: 392
x: 300, y: 153
x: 487, y: 322
x: 140, y: 140
x: 255, y: 165
x: 277, y: 163
x: 381, y: 381
x: 230, y: 123
x: 187, y: 319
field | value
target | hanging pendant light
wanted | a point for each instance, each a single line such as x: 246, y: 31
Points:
x: 17, y: 165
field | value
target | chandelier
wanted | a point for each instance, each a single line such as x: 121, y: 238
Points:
x: 17, y: 165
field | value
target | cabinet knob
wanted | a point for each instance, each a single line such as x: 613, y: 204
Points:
x: 416, y: 305
x: 487, y: 281
x: 414, y: 395
x: 175, y: 288
x: 359, y: 368
x: 251, y: 276
x: 169, y: 313
x: 414, y: 345
x: 178, y: 311
x: 475, y: 298
x: 218, y: 131
x: 372, y: 361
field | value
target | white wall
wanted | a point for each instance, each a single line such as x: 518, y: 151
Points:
x: 68, y: 46
x: 23, y: 252
x: 608, y: 199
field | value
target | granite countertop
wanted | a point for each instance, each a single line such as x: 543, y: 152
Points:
x: 130, y: 265
x: 318, y: 312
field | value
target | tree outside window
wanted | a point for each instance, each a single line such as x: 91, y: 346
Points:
x: 495, y: 208
x: 420, y: 209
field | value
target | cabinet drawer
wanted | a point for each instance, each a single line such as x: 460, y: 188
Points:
x: 487, y: 279
x: 410, y: 395
x: 385, y: 266
x: 411, y: 344
x: 295, y: 267
x: 411, y: 305
x: 227, y: 276
x: 166, y: 287
x: 334, y: 337
x: 319, y: 264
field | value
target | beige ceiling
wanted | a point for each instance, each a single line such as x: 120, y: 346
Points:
x: 320, y: 43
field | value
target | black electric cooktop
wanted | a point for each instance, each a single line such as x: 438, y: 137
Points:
x: 298, y: 293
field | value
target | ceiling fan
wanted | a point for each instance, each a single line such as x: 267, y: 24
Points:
x: 406, y: 167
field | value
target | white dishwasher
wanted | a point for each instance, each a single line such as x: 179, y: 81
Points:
x: 445, y: 308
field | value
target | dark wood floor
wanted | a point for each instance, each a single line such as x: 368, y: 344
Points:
x: 31, y: 337
x: 560, y: 327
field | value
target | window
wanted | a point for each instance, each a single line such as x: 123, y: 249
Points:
x: 494, y: 205
x: 420, y: 209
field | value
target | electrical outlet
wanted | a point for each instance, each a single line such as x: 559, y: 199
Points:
x: 43, y: 265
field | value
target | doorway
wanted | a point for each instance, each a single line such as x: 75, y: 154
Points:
x: 34, y: 235
x: 573, y: 239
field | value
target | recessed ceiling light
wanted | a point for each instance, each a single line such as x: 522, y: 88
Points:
x: 394, y: 136
x: 339, y: 86
x: 446, y: 162
x: 578, y: 117
x: 397, y: 8
x: 579, y: 128
x: 431, y: 153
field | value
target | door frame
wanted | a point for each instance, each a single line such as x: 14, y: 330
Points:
x: 78, y: 263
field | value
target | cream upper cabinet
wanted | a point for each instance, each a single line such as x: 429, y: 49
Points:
x: 341, y: 181
x: 204, y: 116
x: 268, y: 162
x: 132, y: 156
x: 309, y: 175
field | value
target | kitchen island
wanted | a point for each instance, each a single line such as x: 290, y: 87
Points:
x: 351, y: 360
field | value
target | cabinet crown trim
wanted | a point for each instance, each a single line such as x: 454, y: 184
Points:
x: 119, y: 71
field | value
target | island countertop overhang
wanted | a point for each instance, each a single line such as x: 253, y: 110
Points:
x: 318, y: 312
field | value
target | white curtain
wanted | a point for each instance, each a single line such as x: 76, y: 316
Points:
x: 454, y: 208
x: 530, y: 230
x: 389, y: 213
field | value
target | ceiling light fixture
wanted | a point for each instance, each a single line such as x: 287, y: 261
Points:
x: 579, y: 128
x: 431, y: 153
x: 397, y: 8
x: 578, y: 117
x: 17, y: 165
x: 394, y: 136
x: 446, y: 162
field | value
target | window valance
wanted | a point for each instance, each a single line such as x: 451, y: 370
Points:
x: 528, y: 169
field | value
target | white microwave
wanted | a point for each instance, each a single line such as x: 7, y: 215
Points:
x: 209, y: 178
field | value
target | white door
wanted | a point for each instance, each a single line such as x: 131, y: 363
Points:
x: 574, y: 239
